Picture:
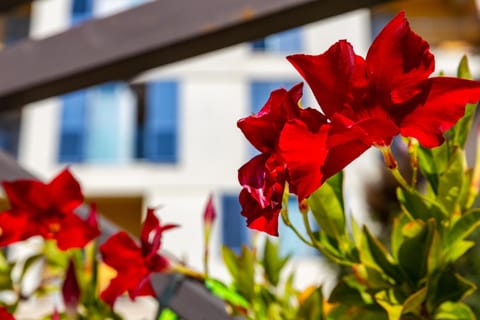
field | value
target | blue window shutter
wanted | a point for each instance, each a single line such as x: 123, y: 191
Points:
x: 82, y: 10
x: 72, y: 128
x: 9, y: 132
x: 160, y: 133
x: 234, y: 229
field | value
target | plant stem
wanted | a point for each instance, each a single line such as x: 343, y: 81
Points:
x: 288, y: 223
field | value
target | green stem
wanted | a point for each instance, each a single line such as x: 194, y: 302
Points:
x: 286, y: 220
x: 400, y: 179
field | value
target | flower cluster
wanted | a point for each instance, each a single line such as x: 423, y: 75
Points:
x: 364, y: 102
x: 49, y: 211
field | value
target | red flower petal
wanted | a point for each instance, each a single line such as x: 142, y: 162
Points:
x: 12, y: 227
x: 73, y: 232
x: 122, y: 253
x: 263, y: 129
x: 331, y: 76
x: 261, y: 219
x: 305, y: 153
x: 119, y: 285
x: 66, y: 191
x: 398, y: 56
x: 27, y: 194
x: 444, y: 105
x: 5, y: 315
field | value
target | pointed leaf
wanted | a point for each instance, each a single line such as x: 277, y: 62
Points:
x: 326, y: 204
x: 225, y: 293
x: 414, y: 251
x: 462, y: 128
x: 414, y: 302
x: 382, y: 257
x: 451, y: 181
x: 419, y: 207
x: 449, y: 286
x: 464, y: 227
x: 312, y: 307
x: 388, y: 301
x: 230, y: 260
x: 454, y: 311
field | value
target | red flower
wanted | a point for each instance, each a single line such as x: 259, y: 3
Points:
x: 5, y: 315
x: 134, y: 264
x: 46, y: 210
x: 263, y: 177
x: 369, y: 101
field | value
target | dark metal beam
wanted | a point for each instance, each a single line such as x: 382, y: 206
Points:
x: 151, y: 35
x: 6, y: 5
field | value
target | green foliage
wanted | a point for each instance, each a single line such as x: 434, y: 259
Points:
x: 416, y: 276
x: 272, y: 298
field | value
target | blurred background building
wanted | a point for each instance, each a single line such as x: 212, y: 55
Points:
x: 168, y: 138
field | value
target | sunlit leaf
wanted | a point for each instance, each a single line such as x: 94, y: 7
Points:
x: 454, y: 311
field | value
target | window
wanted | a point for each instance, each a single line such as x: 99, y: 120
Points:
x: 235, y: 231
x: 289, y: 242
x: 15, y: 25
x: 98, y: 124
x: 157, y: 136
x: 72, y: 127
x: 285, y: 42
x: 81, y: 11
x: 9, y: 132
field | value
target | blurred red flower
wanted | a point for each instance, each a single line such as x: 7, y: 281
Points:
x: 134, y: 264
x: 46, y: 210
x: 5, y: 315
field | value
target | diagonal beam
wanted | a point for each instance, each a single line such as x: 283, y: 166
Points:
x: 151, y: 35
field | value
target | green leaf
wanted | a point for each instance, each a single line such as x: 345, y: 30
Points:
x: 245, y: 281
x: 454, y: 311
x: 414, y: 251
x: 451, y: 181
x: 272, y: 262
x: 418, y: 206
x: 462, y: 128
x: 312, y: 307
x: 326, y: 204
x: 432, y: 162
x: 456, y: 251
x: 381, y: 256
x: 464, y: 227
x: 414, y: 302
x: 167, y: 314
x: 227, y: 294
x: 230, y: 260
x: 389, y: 301
x: 448, y: 286
x: 345, y: 294
x: 397, y: 234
